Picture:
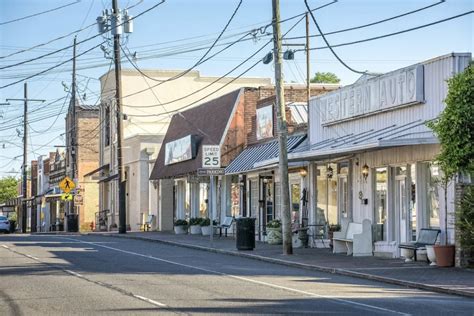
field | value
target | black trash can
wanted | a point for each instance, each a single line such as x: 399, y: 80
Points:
x: 12, y: 226
x: 72, y: 225
x: 245, y: 233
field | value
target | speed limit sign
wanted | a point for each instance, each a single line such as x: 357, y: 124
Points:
x: 211, y: 156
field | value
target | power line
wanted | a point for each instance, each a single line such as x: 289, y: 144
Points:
x: 200, y: 59
x: 372, y: 23
x: 80, y: 42
x: 327, y: 43
x: 39, y: 13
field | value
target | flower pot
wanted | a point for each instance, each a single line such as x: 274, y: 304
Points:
x: 431, y: 255
x: 180, y: 230
x: 206, y: 230
x: 274, y: 236
x: 195, y: 229
x: 444, y: 255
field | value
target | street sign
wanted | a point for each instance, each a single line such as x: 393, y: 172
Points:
x: 211, y: 172
x: 66, y: 197
x: 78, y: 199
x: 66, y: 185
x: 211, y: 156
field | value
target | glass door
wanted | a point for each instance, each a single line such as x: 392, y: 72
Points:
x: 402, y: 203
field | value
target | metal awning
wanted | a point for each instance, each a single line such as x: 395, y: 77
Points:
x: 106, y: 166
x: 109, y: 178
x: 252, y: 155
x: 410, y: 134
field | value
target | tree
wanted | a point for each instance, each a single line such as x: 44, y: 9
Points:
x: 455, y: 129
x: 8, y: 188
x: 325, y: 77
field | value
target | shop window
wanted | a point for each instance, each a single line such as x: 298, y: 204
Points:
x: 235, y: 198
x: 203, y: 200
x: 295, y: 202
x: 326, y: 212
x: 413, y: 204
x: 433, y: 179
x: 380, y: 204
x: 107, y: 126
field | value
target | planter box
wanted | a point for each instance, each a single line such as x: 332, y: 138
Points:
x: 181, y: 230
x: 444, y: 255
x: 274, y: 236
x: 385, y: 249
x: 206, y: 230
x: 195, y: 229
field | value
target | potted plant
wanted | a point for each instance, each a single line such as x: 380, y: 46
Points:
x: 195, y: 225
x: 206, y: 226
x: 274, y: 234
x: 180, y: 227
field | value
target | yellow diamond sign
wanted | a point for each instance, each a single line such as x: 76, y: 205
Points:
x: 67, y: 185
x: 66, y: 197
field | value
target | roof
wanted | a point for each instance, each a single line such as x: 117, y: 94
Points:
x: 395, y: 135
x: 253, y: 155
x: 94, y: 107
x: 207, y: 122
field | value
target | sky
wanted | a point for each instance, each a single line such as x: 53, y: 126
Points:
x: 161, y: 35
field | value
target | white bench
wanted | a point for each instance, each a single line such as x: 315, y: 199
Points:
x: 354, y: 238
x: 226, y: 224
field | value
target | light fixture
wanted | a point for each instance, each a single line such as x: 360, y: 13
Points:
x: 289, y: 55
x: 329, y: 172
x: 268, y: 58
x: 365, y: 172
x: 303, y: 172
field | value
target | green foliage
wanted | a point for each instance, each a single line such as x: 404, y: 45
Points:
x: 465, y: 219
x: 8, y: 188
x: 455, y: 126
x: 195, y: 221
x: 335, y: 228
x: 12, y: 217
x: 205, y: 221
x: 325, y: 77
x: 276, y: 223
x: 181, y: 222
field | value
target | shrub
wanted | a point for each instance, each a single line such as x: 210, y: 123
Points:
x: 276, y: 223
x: 335, y: 228
x: 465, y: 220
x: 195, y: 221
x: 207, y: 222
x: 181, y: 222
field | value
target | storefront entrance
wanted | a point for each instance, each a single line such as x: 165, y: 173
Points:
x: 266, y: 202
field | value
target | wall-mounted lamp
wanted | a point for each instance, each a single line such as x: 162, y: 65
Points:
x: 330, y: 172
x: 303, y: 172
x: 365, y: 172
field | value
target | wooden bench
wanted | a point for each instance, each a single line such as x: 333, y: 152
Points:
x: 226, y: 224
x: 426, y: 237
x: 354, y: 238
x: 148, y: 223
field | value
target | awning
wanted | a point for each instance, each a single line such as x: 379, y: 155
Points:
x: 250, y: 158
x: 411, y: 134
x: 106, y: 166
x: 109, y: 178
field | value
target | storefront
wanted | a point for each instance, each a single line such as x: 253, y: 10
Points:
x: 372, y: 156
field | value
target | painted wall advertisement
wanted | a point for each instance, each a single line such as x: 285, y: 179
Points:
x: 265, y: 122
x: 179, y: 150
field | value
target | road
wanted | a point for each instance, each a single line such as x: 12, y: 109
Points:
x: 78, y: 275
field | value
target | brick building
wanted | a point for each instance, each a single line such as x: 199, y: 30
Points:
x: 183, y: 194
x: 82, y: 147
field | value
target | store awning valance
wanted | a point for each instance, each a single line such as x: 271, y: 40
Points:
x: 395, y: 135
x: 106, y: 166
x: 250, y: 158
x: 109, y: 178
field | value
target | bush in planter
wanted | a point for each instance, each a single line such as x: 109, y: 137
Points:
x: 465, y: 222
x: 180, y: 226
x: 195, y: 225
x: 206, y: 226
x: 274, y: 234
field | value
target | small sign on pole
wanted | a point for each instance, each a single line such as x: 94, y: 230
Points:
x: 211, y: 156
x: 67, y: 185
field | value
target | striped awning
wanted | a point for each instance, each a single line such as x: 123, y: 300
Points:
x: 257, y: 153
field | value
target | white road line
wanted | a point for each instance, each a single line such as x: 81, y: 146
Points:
x: 246, y: 279
x: 149, y: 300
x: 5, y: 246
x: 74, y: 273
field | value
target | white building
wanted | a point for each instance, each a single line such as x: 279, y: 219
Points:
x: 372, y: 156
x: 146, y: 107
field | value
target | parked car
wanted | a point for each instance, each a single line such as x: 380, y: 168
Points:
x: 4, y: 224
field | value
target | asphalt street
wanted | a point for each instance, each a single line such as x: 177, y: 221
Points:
x: 78, y: 275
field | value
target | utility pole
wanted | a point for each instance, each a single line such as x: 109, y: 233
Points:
x: 118, y: 95
x: 73, y: 132
x: 25, y: 155
x: 308, y: 88
x: 282, y: 132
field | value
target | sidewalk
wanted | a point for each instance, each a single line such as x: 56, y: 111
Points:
x: 395, y: 271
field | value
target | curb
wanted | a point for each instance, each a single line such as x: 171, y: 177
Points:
x: 305, y: 266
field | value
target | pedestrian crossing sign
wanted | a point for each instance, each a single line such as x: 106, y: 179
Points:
x: 66, y: 197
x: 67, y: 185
